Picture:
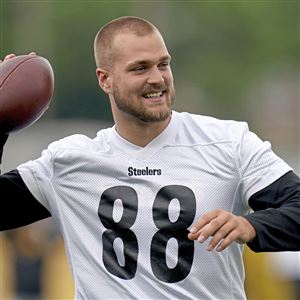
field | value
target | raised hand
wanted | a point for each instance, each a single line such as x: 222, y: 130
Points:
x: 224, y: 228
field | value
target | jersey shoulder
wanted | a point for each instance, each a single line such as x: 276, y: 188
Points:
x: 80, y: 142
x: 200, y: 129
x: 75, y: 141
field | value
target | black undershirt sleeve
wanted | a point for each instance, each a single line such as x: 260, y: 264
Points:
x: 276, y: 216
x: 18, y: 207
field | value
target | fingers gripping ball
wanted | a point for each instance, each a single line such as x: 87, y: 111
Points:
x: 26, y: 89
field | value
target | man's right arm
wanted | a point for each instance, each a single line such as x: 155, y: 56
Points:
x: 18, y: 207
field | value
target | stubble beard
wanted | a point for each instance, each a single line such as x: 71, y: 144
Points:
x: 141, y: 112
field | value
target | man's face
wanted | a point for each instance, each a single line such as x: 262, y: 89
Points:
x: 141, y: 77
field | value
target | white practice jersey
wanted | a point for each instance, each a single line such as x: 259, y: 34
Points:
x: 124, y: 211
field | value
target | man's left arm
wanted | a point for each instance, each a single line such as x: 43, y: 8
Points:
x: 273, y: 226
x: 276, y: 216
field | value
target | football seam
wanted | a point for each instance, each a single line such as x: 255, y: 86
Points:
x: 14, y: 69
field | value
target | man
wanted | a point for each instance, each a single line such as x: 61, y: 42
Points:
x: 131, y: 202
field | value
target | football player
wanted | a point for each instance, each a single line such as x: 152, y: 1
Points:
x: 131, y: 202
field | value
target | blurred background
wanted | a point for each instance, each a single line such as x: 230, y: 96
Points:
x: 230, y: 59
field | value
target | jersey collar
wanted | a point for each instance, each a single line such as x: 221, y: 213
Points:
x: 165, y: 138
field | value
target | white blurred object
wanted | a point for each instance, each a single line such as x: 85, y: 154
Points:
x: 286, y: 264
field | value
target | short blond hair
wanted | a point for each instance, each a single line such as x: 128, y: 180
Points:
x: 103, y: 43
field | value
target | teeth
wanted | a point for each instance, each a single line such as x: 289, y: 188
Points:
x: 153, y: 95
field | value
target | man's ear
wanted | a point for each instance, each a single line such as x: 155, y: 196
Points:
x: 104, y: 80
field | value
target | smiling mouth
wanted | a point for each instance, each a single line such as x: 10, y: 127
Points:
x: 153, y: 95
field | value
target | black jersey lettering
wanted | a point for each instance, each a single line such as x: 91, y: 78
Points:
x: 143, y: 172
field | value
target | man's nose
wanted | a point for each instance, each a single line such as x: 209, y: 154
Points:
x: 155, y: 76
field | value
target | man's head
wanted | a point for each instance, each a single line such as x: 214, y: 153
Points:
x: 103, y: 44
x: 133, y: 68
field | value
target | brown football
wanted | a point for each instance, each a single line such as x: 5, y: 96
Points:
x: 26, y: 89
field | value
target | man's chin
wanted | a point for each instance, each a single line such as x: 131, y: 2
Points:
x: 154, y: 116
x: 146, y: 113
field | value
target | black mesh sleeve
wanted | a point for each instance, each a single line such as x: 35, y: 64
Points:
x: 276, y: 216
x: 18, y: 207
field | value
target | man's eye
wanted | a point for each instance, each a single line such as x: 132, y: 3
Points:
x: 164, y: 65
x: 139, y: 68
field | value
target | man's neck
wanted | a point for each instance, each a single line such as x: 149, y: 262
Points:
x: 140, y: 133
